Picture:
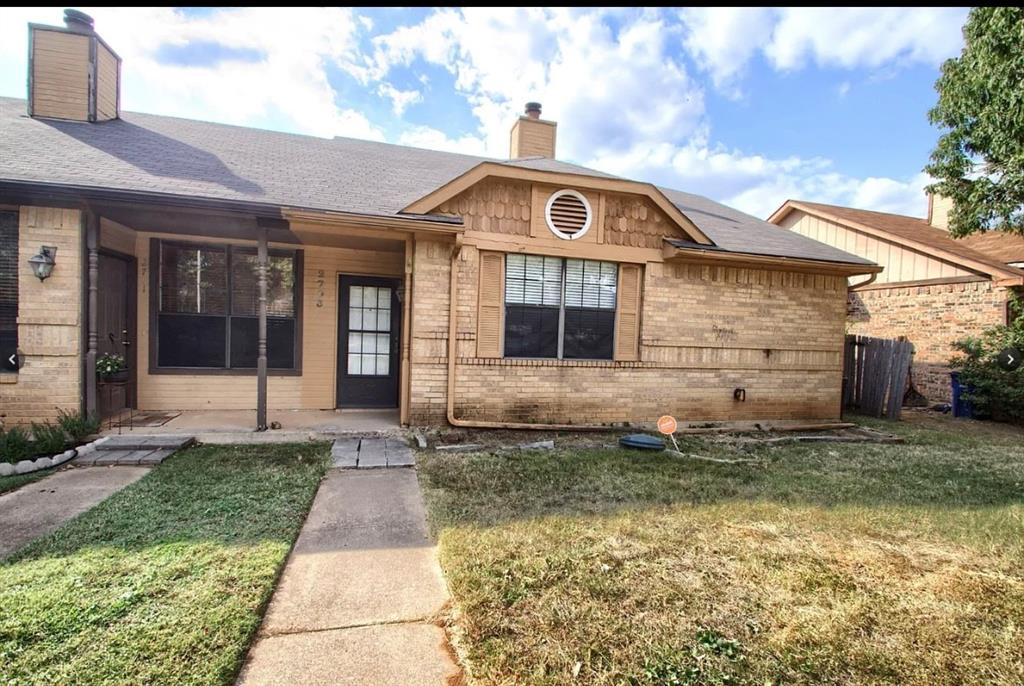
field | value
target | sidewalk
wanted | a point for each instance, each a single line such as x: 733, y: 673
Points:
x: 360, y: 592
x: 38, y: 508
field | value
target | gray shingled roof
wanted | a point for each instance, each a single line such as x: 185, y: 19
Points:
x: 168, y: 155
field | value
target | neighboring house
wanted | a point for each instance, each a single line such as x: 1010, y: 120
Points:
x: 934, y: 289
x: 454, y: 288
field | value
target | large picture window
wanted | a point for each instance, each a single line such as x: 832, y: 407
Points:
x: 207, y: 317
x: 8, y: 290
x: 559, y: 308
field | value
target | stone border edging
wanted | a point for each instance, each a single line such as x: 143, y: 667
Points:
x: 29, y: 466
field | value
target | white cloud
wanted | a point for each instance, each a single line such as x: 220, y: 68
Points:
x: 288, y: 85
x: 843, y: 89
x: 434, y: 139
x: 400, y: 100
x: 758, y: 185
x: 722, y: 41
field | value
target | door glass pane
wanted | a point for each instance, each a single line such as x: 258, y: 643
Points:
x: 355, y: 318
x: 355, y: 343
x: 383, y: 320
x: 382, y: 365
x: 353, y: 363
x: 356, y: 296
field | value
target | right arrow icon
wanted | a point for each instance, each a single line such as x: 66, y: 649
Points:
x: 1010, y: 359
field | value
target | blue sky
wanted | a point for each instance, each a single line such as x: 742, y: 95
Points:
x: 747, y: 106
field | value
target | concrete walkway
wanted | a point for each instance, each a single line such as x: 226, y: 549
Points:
x: 38, y: 508
x: 360, y: 593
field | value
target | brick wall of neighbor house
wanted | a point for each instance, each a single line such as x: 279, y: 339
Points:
x: 705, y: 331
x: 932, y: 316
x: 49, y: 320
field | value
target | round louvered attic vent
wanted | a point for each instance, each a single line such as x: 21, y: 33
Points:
x: 568, y: 214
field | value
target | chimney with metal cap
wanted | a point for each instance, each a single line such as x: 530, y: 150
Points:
x: 72, y: 73
x: 533, y: 136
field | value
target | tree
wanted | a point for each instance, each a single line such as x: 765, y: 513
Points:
x: 978, y: 161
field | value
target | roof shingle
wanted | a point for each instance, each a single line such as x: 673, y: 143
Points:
x: 183, y: 157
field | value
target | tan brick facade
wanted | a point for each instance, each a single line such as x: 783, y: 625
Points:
x: 49, y: 320
x: 932, y: 316
x: 706, y: 330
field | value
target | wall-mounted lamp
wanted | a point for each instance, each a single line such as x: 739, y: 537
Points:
x: 400, y: 292
x: 42, y: 263
x: 739, y: 395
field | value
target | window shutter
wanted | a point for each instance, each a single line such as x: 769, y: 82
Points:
x: 627, y: 329
x: 490, y: 305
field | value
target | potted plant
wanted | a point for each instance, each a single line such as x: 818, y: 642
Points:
x: 112, y: 367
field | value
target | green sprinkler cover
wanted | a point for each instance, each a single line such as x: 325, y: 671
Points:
x: 642, y: 442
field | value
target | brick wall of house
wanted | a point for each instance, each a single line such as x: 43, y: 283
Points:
x: 49, y: 320
x: 706, y: 330
x: 932, y: 317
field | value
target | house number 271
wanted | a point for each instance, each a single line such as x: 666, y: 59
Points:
x: 319, y: 287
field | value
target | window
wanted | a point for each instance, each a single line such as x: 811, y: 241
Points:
x: 208, y: 316
x: 8, y: 290
x: 369, y: 331
x: 559, y: 308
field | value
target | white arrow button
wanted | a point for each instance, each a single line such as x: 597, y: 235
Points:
x: 13, y: 359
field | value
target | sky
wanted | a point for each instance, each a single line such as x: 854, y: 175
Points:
x: 746, y: 106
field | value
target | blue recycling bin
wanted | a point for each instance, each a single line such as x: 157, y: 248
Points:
x: 961, y: 406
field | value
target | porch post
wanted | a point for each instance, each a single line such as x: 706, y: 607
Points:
x: 92, y: 229
x: 403, y: 400
x: 261, y: 349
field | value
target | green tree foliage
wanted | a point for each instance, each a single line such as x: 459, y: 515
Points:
x: 993, y: 392
x: 978, y: 161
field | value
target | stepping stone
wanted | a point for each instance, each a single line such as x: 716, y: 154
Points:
x: 345, y: 453
x: 399, y: 453
x: 169, y: 442
x: 106, y: 458
x: 155, y: 457
x: 372, y: 453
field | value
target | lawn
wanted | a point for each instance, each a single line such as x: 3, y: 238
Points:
x: 16, y: 481
x: 164, y: 582
x: 835, y: 564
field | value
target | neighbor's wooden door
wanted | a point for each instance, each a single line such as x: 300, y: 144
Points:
x: 115, y: 326
x: 369, y: 322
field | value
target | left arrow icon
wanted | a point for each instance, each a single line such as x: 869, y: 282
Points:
x: 13, y: 359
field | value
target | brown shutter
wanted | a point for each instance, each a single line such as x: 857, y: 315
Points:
x: 490, y: 304
x: 627, y: 313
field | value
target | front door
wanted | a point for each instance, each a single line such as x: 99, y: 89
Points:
x: 115, y: 327
x: 369, y: 317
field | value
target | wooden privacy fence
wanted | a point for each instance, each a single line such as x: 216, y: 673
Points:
x: 875, y: 372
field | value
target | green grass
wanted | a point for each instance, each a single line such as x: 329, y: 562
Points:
x: 10, y: 483
x: 837, y: 563
x: 164, y: 582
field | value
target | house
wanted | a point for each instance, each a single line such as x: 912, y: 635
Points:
x: 238, y: 268
x: 934, y: 289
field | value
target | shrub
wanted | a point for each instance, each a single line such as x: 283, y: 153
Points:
x: 48, y: 439
x: 993, y: 392
x: 77, y: 425
x: 14, y: 445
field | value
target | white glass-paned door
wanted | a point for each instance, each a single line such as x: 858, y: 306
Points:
x: 369, y: 331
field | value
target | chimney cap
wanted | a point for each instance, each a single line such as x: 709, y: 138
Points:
x: 79, y: 21
x: 533, y: 110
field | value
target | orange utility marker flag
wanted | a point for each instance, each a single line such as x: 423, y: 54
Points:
x: 667, y: 425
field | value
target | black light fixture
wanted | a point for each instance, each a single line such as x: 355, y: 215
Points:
x: 43, y: 262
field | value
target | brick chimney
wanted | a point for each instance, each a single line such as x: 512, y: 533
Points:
x: 72, y: 73
x: 939, y: 207
x: 533, y: 136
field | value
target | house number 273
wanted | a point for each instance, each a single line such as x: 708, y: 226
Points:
x: 319, y: 287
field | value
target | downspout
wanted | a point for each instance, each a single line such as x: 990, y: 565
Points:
x: 453, y: 316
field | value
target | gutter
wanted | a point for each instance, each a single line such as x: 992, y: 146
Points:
x: 862, y: 284
x: 79, y: 194
x: 452, y: 345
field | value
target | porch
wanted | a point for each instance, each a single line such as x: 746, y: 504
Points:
x: 294, y: 424
x: 239, y: 323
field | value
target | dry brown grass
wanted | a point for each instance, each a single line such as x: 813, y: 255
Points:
x: 841, y: 564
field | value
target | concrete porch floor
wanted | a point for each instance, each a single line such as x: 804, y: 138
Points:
x: 216, y: 425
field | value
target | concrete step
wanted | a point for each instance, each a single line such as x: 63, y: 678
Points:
x: 371, y: 453
x: 148, y: 443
